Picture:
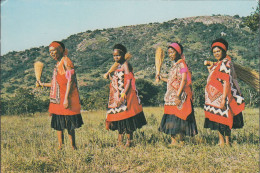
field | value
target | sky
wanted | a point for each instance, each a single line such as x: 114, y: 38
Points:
x: 33, y: 23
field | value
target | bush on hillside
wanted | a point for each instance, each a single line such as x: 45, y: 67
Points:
x: 23, y: 102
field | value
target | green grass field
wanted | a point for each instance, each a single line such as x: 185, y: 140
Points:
x: 28, y: 144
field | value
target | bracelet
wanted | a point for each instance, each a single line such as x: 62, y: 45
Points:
x: 43, y: 85
x: 123, y: 95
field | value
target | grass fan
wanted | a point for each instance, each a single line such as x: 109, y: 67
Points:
x: 159, y: 57
x: 38, y: 66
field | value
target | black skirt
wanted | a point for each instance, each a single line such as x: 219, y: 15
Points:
x: 69, y: 122
x: 174, y: 125
x: 129, y: 125
x: 238, y: 123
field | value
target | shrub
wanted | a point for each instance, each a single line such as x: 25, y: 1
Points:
x: 24, y: 102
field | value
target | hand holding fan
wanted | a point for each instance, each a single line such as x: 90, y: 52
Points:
x: 38, y: 66
x: 128, y: 56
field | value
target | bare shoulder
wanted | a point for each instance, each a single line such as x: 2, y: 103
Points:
x: 182, y: 64
x: 125, y: 67
x: 68, y: 63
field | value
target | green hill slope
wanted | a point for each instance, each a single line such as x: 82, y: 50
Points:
x: 91, y: 52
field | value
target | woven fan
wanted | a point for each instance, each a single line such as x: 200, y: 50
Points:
x: 38, y: 66
x: 249, y: 76
x: 128, y: 56
x: 159, y: 57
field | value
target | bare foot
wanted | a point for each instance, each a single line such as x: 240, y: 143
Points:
x: 221, y: 144
x: 74, y: 147
x: 229, y: 144
x: 60, y: 147
x: 119, y: 144
x: 128, y: 144
x: 181, y: 143
x: 174, y: 144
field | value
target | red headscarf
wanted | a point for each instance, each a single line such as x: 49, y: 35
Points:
x: 58, y: 46
x: 177, y: 47
x: 219, y: 44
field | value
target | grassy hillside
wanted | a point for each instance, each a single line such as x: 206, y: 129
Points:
x: 28, y: 144
x: 92, y: 54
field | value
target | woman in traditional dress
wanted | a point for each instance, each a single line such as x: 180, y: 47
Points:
x: 64, y: 96
x: 223, y: 100
x: 124, y: 112
x: 178, y: 119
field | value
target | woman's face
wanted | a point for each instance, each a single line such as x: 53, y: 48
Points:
x: 55, y: 53
x: 217, y: 53
x: 172, y: 53
x: 117, y: 55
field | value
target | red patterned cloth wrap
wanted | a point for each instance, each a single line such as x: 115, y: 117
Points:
x: 223, y: 71
x: 58, y: 90
x: 132, y: 104
x: 174, y: 80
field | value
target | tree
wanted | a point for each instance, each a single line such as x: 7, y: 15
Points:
x: 24, y: 102
x: 252, y: 21
x: 198, y: 87
x: 147, y: 92
x: 96, y: 100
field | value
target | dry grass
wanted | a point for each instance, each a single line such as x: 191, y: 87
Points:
x: 28, y: 144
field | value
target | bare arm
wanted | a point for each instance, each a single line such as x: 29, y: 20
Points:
x: 47, y: 85
x: 209, y: 68
x: 159, y: 77
x: 209, y: 65
x: 163, y: 79
x: 44, y: 84
x: 68, y: 88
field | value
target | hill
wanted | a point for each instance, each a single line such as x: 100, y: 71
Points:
x: 91, y: 52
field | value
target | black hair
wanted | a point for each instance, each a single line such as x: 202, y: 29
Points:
x: 123, y: 50
x: 61, y: 44
x: 223, y: 41
x: 178, y: 55
x: 120, y: 47
x: 130, y: 67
